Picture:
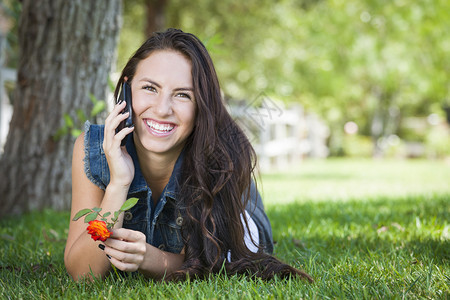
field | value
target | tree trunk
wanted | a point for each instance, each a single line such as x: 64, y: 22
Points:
x: 155, y: 16
x: 384, y: 121
x: 67, y: 50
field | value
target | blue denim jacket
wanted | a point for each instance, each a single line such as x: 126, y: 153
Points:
x: 161, y: 223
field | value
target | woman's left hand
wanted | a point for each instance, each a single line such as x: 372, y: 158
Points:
x: 126, y: 249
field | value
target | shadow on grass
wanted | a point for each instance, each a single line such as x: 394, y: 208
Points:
x: 328, y: 234
x: 414, y: 227
x: 312, y: 176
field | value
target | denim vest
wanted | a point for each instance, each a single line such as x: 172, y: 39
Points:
x: 161, y: 223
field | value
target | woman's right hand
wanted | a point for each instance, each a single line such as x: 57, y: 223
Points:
x: 119, y: 161
x: 82, y: 256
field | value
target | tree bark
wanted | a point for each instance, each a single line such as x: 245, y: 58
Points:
x: 385, y: 119
x: 66, y: 52
x: 155, y: 16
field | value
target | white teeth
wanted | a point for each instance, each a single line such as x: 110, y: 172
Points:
x: 159, y: 127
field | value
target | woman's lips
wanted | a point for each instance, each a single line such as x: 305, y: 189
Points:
x: 160, y: 128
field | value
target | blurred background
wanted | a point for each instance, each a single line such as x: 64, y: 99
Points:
x: 346, y: 102
x: 367, y: 78
x: 305, y: 79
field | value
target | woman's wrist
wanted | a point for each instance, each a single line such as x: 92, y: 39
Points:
x: 118, y: 186
x: 158, y: 263
x: 119, y: 183
x: 115, y: 196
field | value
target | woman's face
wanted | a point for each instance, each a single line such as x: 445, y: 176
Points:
x: 163, y: 102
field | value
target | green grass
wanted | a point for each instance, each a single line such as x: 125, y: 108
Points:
x: 362, y: 229
x: 346, y: 179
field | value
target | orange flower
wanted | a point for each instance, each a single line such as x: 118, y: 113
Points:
x: 98, y: 230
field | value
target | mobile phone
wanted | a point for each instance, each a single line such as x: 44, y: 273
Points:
x: 125, y: 95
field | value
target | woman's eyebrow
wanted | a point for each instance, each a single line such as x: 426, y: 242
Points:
x: 150, y: 81
x: 184, y: 89
x: 159, y: 86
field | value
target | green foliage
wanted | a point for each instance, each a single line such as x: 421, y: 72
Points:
x: 95, y: 212
x: 91, y: 217
x: 81, y: 213
x: 132, y: 32
x: 370, y: 243
x: 129, y: 204
x: 437, y: 142
x: 10, y: 13
x: 357, y: 146
x: 99, y: 106
x: 74, y: 127
x: 363, y: 61
x: 370, y: 62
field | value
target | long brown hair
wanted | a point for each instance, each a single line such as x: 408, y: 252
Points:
x: 218, y: 170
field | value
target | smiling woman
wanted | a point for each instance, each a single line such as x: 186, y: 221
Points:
x: 188, y: 163
x: 163, y: 102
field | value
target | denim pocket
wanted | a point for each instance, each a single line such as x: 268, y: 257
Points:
x: 169, y: 224
x: 136, y: 218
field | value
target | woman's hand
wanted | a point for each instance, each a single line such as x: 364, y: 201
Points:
x: 119, y: 161
x: 126, y: 249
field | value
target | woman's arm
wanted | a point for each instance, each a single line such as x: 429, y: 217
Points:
x: 128, y: 251
x: 82, y: 254
x: 127, y: 248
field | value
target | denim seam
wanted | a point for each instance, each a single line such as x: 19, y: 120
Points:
x: 87, y: 164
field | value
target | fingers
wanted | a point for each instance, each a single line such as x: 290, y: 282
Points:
x: 120, y: 163
x: 126, y: 249
x: 112, y: 122
x: 123, y: 260
x: 129, y: 244
x: 127, y: 235
x: 123, y: 266
x: 119, y: 136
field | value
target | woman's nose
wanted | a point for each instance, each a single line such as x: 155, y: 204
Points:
x: 163, y: 105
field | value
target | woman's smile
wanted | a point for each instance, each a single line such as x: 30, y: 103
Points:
x: 160, y: 129
x: 163, y: 102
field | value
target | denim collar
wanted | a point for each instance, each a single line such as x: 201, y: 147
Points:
x: 139, y: 184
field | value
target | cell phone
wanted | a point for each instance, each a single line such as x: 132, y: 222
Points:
x: 125, y: 95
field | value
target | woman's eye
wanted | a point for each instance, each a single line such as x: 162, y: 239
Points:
x: 184, y: 95
x: 149, y: 88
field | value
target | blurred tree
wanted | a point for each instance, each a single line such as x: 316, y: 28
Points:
x: 132, y: 33
x: 155, y: 20
x: 66, y: 53
x: 140, y: 19
x: 370, y: 62
x: 9, y: 16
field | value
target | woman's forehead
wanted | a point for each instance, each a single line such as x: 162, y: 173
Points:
x: 165, y: 65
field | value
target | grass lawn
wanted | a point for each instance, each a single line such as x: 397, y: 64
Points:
x: 362, y: 229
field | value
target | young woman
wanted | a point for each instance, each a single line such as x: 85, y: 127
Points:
x: 189, y: 165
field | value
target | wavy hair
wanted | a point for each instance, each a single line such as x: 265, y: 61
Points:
x: 218, y: 170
